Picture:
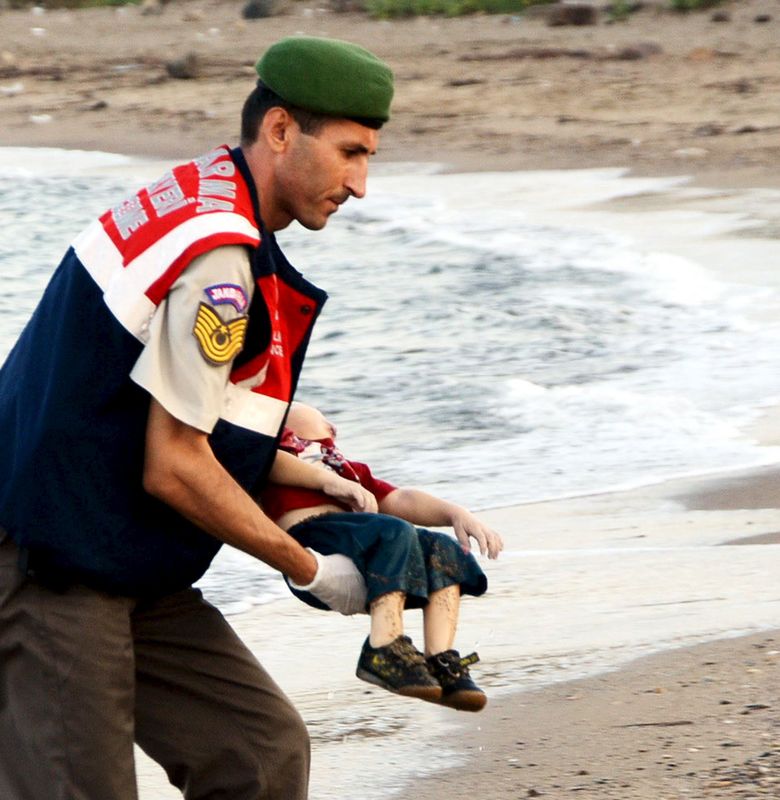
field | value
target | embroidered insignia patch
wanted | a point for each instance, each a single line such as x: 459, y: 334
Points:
x: 222, y: 293
x: 219, y: 341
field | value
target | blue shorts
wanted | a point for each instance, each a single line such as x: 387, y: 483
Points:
x: 392, y: 555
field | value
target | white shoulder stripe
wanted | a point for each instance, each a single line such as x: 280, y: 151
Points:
x: 98, y: 254
x: 253, y: 411
x: 124, y: 287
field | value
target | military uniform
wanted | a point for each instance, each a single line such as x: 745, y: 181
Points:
x: 178, y: 294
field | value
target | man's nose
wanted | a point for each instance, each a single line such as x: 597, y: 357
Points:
x: 356, y: 178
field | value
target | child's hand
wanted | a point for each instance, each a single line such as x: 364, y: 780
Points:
x: 466, y: 525
x: 349, y: 492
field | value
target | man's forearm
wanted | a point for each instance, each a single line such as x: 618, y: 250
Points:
x: 182, y: 471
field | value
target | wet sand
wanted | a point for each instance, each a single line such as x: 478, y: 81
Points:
x: 695, y: 723
x: 628, y: 650
x: 698, y: 722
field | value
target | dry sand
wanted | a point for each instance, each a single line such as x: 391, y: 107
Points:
x: 661, y: 93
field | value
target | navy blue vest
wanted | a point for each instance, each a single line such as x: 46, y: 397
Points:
x: 72, y: 423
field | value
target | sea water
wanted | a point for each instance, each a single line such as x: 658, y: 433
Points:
x: 477, y: 343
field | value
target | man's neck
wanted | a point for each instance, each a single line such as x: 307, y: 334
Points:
x: 261, y: 168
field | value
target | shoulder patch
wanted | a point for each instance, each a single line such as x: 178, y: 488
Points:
x: 223, y: 293
x: 219, y: 341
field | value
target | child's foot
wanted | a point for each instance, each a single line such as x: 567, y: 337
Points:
x: 398, y: 667
x: 458, y: 689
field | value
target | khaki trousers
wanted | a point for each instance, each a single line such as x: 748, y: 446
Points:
x: 84, y: 674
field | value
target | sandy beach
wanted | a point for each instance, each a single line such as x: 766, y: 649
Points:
x: 629, y: 649
x: 651, y: 670
x: 662, y: 92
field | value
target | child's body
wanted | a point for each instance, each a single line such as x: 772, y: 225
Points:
x: 403, y: 566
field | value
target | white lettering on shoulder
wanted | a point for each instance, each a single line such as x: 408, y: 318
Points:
x: 166, y: 195
x: 216, y: 190
x: 129, y: 217
x: 214, y: 204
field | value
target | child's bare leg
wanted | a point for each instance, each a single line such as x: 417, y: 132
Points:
x: 386, y: 618
x: 440, y: 619
x: 389, y: 659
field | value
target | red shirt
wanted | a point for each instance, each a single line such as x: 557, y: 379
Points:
x: 278, y: 500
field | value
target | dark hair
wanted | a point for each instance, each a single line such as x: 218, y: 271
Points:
x: 261, y: 99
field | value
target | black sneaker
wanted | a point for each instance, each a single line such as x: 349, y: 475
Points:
x: 398, y: 667
x: 458, y: 690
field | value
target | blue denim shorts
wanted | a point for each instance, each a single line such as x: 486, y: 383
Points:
x: 392, y: 555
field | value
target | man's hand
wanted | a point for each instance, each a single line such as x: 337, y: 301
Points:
x: 337, y: 583
x: 466, y: 525
x: 349, y: 492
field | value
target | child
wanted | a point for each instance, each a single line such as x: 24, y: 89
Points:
x: 403, y: 566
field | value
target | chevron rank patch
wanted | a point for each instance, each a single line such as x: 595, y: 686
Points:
x: 219, y: 341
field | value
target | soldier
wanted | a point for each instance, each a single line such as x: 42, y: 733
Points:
x: 139, y: 408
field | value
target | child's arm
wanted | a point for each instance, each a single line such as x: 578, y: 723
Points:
x: 289, y: 470
x: 421, y: 508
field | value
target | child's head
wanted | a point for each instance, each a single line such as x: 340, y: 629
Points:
x: 309, y: 422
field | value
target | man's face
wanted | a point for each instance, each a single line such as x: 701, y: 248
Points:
x: 319, y: 172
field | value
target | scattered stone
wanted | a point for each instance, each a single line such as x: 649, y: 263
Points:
x: 721, y: 16
x: 572, y: 14
x: 743, y: 86
x: 710, y: 129
x: 259, y: 9
x: 534, y: 793
x: 464, y: 82
x: 41, y: 119
x: 636, y: 52
x: 98, y: 105
x: 519, y: 53
x: 151, y: 8
x: 186, y: 68
x: 347, y: 6
x: 762, y: 18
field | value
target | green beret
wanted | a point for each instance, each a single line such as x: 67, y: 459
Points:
x: 328, y: 76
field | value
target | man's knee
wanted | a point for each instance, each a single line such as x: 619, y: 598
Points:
x: 279, y: 760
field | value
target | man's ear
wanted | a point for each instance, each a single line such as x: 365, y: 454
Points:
x: 277, y: 129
